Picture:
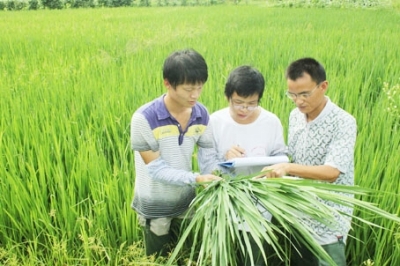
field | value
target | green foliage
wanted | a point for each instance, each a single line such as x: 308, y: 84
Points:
x: 330, y: 3
x: 71, y: 79
x: 52, y: 4
x: 392, y: 102
x: 15, y: 5
x: 81, y: 3
x: 33, y: 4
x: 119, y: 3
x: 60, y: 4
x: 221, y: 206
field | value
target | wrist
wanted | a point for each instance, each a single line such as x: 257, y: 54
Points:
x: 288, y: 169
x: 196, y: 178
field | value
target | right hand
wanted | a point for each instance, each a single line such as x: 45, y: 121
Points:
x: 235, y: 152
x: 207, y: 178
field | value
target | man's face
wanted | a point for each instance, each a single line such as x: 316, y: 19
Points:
x: 308, y: 96
x: 243, y: 109
x: 185, y: 95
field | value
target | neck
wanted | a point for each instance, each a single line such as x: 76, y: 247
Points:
x: 175, y: 108
x: 317, y: 111
x: 253, y: 117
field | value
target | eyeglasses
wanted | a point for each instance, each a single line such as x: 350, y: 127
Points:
x: 303, y: 95
x: 249, y: 108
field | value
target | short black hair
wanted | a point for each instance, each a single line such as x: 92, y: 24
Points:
x: 185, y: 66
x: 306, y: 65
x: 245, y: 81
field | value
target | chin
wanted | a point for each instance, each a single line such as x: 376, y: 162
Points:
x: 302, y: 109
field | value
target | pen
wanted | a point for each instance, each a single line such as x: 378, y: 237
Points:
x: 241, y: 153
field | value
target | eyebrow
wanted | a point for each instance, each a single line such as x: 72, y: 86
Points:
x: 192, y: 87
x: 303, y: 92
x: 241, y: 101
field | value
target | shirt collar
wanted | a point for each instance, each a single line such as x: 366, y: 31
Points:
x: 163, y: 113
x: 327, y: 109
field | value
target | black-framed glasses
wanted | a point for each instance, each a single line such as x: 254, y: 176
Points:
x: 302, y: 95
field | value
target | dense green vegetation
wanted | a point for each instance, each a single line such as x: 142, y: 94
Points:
x: 13, y: 5
x: 71, y: 79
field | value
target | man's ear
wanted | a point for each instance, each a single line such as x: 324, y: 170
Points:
x: 324, y: 85
x: 167, y: 84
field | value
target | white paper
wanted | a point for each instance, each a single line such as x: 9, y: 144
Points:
x: 254, y: 161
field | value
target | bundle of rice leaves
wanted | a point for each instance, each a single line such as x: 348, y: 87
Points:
x: 214, y: 229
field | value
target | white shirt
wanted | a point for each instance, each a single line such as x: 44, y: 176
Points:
x: 263, y: 137
x: 327, y: 140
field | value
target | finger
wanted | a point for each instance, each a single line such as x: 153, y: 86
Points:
x: 239, y: 151
x: 259, y: 176
x: 232, y: 153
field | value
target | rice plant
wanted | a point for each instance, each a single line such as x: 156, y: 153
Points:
x: 216, y: 226
x: 71, y: 79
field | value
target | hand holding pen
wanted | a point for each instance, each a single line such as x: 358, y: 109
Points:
x: 235, y: 152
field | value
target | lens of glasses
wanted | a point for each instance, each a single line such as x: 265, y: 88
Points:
x: 249, y: 108
x: 291, y: 95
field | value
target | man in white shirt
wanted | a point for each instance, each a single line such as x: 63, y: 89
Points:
x: 244, y: 129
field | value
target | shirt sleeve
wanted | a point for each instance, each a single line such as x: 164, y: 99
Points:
x: 142, y: 138
x: 161, y: 171
x: 280, y: 148
x: 208, y: 161
x: 206, y: 139
x: 207, y: 154
x: 341, y: 149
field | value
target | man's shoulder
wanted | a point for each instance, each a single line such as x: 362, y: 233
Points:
x: 220, y: 114
x: 200, y: 108
x: 151, y: 109
x: 148, y: 114
x: 269, y: 115
x: 296, y: 113
x: 342, y: 114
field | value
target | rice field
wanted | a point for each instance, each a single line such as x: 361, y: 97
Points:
x: 71, y: 79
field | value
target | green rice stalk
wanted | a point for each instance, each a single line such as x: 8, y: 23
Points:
x: 219, y: 208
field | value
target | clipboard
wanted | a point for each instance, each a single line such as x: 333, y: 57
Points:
x: 254, y: 161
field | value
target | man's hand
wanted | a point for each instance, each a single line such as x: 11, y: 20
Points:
x: 235, y: 152
x: 207, y: 178
x: 276, y: 170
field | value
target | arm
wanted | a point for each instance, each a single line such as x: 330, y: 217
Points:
x: 339, y: 155
x: 143, y: 141
x: 161, y: 171
x: 317, y: 172
x: 208, y: 155
x: 207, y: 159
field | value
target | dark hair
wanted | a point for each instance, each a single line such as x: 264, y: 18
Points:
x: 185, y: 66
x: 306, y: 65
x: 245, y: 81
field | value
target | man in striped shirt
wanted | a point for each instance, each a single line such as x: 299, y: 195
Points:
x: 164, y: 133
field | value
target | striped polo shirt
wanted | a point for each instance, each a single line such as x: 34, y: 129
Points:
x: 153, y: 128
